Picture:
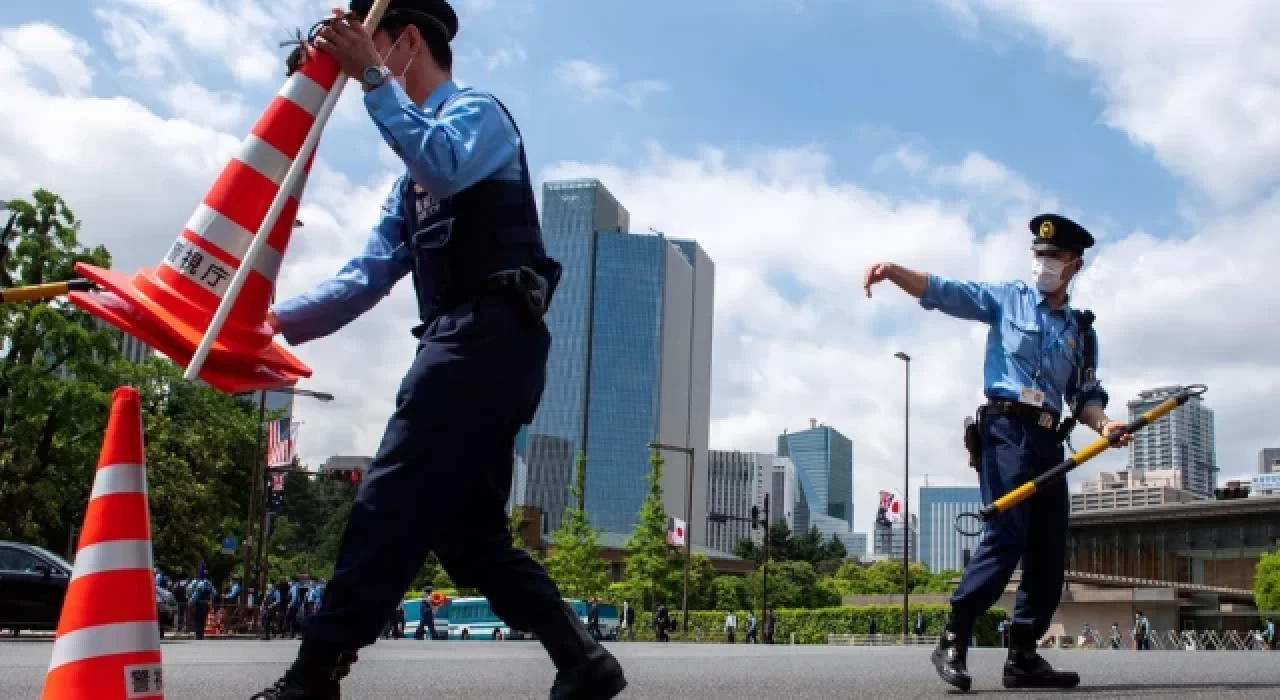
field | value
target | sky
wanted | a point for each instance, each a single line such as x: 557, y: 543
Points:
x: 798, y: 141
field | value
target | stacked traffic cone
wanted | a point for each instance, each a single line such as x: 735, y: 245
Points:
x: 108, y: 640
x: 170, y: 307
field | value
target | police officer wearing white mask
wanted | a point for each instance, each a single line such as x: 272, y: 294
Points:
x: 1041, y: 355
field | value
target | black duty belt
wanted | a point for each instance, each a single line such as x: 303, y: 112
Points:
x: 1027, y: 414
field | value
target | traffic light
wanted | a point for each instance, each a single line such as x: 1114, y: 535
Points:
x: 755, y: 517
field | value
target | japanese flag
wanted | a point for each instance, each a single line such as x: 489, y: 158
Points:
x: 891, y: 501
x: 676, y: 533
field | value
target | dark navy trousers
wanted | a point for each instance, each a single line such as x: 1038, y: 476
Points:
x: 1033, y: 532
x: 441, y: 477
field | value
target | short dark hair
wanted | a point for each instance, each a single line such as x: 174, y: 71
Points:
x: 437, y: 44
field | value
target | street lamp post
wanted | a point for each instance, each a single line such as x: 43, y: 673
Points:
x: 906, y: 496
x: 260, y: 470
x: 688, y: 522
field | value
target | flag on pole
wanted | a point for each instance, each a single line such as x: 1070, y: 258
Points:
x: 892, y: 505
x: 676, y: 532
x: 282, y: 442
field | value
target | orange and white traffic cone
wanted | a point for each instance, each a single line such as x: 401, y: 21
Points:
x: 171, y: 307
x: 108, y: 640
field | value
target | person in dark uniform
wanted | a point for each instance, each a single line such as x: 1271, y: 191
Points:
x: 1041, y: 355
x: 463, y: 222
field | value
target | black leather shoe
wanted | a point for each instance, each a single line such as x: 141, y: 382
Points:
x: 598, y: 678
x: 315, y: 675
x: 1027, y: 669
x: 585, y: 669
x: 950, y: 657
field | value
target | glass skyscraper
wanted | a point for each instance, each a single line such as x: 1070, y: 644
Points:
x: 941, y: 546
x: 824, y: 471
x: 630, y: 362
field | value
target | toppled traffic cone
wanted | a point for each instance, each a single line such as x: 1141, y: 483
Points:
x: 170, y: 307
x: 108, y: 640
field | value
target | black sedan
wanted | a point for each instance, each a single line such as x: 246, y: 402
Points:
x: 33, y: 583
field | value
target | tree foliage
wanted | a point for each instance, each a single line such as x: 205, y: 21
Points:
x: 58, y: 369
x: 574, y: 561
x: 1266, y: 581
x: 651, y: 563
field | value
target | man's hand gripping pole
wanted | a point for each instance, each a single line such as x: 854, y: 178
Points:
x: 1093, y: 449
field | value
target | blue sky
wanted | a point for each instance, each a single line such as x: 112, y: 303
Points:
x: 796, y: 140
x: 857, y: 78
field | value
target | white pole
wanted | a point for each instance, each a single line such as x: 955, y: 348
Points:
x: 277, y: 205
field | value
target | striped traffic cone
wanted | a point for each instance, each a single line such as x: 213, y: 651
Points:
x: 108, y: 640
x: 171, y: 306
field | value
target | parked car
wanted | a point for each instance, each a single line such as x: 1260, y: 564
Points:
x: 33, y: 584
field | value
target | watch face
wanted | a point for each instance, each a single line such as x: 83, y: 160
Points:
x: 373, y: 74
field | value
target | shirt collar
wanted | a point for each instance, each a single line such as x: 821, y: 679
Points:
x: 440, y: 95
x: 1043, y: 300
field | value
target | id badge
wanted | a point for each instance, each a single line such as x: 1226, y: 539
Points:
x: 1031, y: 397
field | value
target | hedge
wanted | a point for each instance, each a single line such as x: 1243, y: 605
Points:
x: 813, y: 626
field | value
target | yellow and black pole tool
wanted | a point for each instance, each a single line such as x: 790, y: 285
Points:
x: 40, y: 292
x: 1090, y: 451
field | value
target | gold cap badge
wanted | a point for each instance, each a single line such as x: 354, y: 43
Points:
x: 1046, y: 229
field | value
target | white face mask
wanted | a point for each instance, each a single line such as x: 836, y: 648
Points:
x: 1047, y: 274
x: 398, y: 77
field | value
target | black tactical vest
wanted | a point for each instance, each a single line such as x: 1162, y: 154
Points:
x: 460, y: 242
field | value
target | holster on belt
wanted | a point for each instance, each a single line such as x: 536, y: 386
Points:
x: 973, y: 437
x: 535, y: 288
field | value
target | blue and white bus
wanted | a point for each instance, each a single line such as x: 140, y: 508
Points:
x: 472, y: 619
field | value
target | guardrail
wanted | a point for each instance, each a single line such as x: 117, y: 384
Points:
x: 881, y: 640
x: 1171, y: 640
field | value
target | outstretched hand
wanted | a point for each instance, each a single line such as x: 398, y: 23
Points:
x: 875, y: 274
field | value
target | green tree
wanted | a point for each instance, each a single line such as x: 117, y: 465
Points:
x: 650, y: 560
x: 50, y: 428
x: 200, y: 446
x: 1266, y: 581
x: 58, y: 369
x: 574, y: 561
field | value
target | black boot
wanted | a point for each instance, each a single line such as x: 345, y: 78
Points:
x: 585, y: 670
x: 1027, y: 669
x: 315, y: 675
x: 952, y: 654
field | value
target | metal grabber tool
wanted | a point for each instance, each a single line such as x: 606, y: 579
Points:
x: 1093, y: 449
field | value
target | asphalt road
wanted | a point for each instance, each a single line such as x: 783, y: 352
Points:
x: 230, y: 670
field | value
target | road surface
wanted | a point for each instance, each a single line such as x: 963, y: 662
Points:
x: 233, y: 669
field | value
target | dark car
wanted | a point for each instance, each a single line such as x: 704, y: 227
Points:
x: 33, y: 584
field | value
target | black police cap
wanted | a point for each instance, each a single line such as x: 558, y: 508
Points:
x: 431, y: 13
x: 1055, y: 232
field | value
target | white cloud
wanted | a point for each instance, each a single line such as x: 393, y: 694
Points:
x: 1196, y: 82
x: 47, y: 49
x: 594, y: 82
x: 218, y: 110
x: 779, y: 362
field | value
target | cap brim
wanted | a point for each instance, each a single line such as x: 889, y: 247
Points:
x: 1050, y: 247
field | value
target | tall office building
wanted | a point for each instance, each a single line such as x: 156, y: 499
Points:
x: 630, y: 363
x: 1269, y: 460
x: 942, y: 548
x: 824, y: 473
x: 1181, y: 439
x: 734, y: 479
x: 519, y: 470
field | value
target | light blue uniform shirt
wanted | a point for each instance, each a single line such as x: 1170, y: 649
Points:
x: 1029, y: 345
x: 471, y: 141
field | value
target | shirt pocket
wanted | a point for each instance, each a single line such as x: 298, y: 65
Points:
x: 1022, y: 338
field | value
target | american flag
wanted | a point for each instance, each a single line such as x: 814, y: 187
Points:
x: 282, y: 442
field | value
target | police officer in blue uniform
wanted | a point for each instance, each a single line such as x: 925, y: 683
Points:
x: 463, y: 223
x: 1041, y: 355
